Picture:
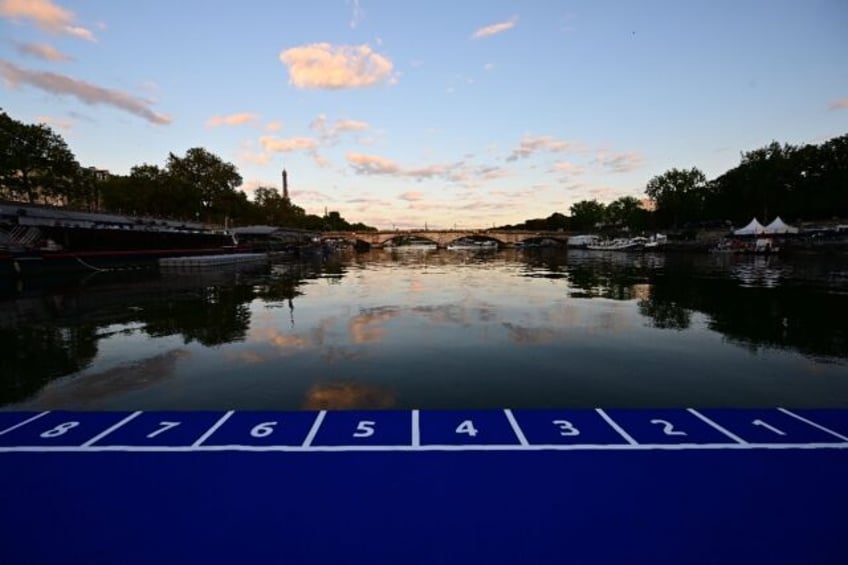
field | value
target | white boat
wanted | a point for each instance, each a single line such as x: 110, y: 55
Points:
x: 472, y: 245
x: 621, y: 244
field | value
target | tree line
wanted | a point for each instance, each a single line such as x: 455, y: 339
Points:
x: 797, y: 183
x: 37, y: 166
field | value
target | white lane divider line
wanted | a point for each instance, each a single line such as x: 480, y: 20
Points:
x: 616, y: 427
x: 716, y: 426
x: 111, y: 429
x: 515, y: 427
x: 213, y: 429
x: 313, y: 431
x: 25, y: 422
x: 815, y: 425
x: 416, y: 429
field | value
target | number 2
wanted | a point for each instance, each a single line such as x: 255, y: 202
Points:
x: 668, y: 428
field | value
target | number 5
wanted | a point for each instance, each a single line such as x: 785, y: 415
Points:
x: 365, y: 428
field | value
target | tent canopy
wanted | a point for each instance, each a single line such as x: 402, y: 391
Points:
x: 778, y: 226
x: 752, y: 228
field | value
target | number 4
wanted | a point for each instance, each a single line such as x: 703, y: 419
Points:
x: 467, y: 427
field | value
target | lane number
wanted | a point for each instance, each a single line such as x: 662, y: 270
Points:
x: 566, y: 428
x: 769, y: 427
x: 668, y: 428
x: 263, y: 430
x: 467, y: 427
x: 163, y: 427
x: 365, y: 428
x: 59, y: 430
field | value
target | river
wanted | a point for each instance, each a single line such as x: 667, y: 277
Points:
x: 435, y: 329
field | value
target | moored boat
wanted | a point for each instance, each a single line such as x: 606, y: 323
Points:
x: 41, y: 239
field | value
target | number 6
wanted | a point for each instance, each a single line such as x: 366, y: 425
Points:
x: 263, y: 430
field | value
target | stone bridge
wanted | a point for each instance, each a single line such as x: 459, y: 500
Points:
x: 442, y: 238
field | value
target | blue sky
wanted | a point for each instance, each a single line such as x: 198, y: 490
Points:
x: 456, y: 113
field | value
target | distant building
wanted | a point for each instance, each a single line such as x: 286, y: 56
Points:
x: 99, y: 174
x: 285, y: 186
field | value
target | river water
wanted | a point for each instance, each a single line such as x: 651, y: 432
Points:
x: 435, y: 329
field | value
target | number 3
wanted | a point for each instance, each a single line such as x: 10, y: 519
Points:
x: 566, y: 428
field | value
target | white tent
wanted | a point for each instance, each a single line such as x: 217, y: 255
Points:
x: 777, y: 226
x: 754, y: 227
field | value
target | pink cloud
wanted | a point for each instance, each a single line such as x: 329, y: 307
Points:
x: 840, y: 104
x: 84, y: 91
x: 46, y: 15
x: 277, y: 145
x: 57, y: 123
x: 42, y: 51
x: 534, y: 144
x: 568, y: 168
x: 494, y: 29
x: 411, y: 196
x: 620, y: 162
x: 231, y: 120
x: 321, y: 65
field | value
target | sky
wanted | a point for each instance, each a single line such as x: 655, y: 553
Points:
x: 441, y: 114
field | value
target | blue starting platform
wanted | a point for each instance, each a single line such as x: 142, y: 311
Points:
x: 503, y: 486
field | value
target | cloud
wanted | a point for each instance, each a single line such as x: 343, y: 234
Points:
x: 321, y: 65
x: 58, y: 123
x: 568, y: 168
x: 46, y: 15
x: 273, y: 126
x: 372, y: 164
x: 841, y: 104
x: 458, y: 172
x: 331, y: 132
x: 357, y: 16
x: 277, y: 145
x: 620, y: 162
x: 42, y: 51
x: 531, y: 144
x: 488, y: 66
x: 411, y: 196
x: 494, y: 29
x: 254, y: 158
x: 231, y: 120
x: 80, y: 32
x: 84, y: 91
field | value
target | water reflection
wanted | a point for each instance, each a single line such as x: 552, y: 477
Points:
x: 430, y: 328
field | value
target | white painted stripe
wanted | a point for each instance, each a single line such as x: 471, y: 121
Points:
x: 214, y: 427
x: 716, y: 426
x: 108, y: 431
x: 409, y: 448
x: 515, y: 427
x: 815, y: 425
x: 616, y: 427
x: 25, y: 422
x: 314, y: 429
x: 416, y: 429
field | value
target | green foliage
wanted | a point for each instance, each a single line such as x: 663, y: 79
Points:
x: 36, y: 163
x: 587, y: 214
x: 678, y: 194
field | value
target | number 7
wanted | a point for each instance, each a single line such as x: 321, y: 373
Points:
x: 165, y: 427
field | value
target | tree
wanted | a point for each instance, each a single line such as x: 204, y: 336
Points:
x: 36, y: 162
x: 205, y: 179
x: 678, y: 194
x: 626, y: 211
x: 586, y: 214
